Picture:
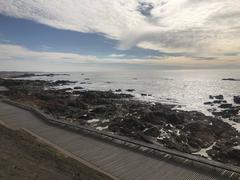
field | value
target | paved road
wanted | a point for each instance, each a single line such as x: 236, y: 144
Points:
x: 120, y: 162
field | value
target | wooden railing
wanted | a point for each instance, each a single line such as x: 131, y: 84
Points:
x: 151, y: 147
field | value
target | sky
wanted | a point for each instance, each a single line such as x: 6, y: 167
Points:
x: 71, y: 35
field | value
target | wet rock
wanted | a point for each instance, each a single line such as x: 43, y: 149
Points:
x: 130, y: 90
x: 235, y: 119
x: 219, y: 97
x: 230, y: 79
x: 226, y: 151
x: 86, y: 116
x: 186, y: 131
x: 174, y: 143
x: 149, y: 139
x: 225, y: 106
x: 236, y: 99
x: 208, y: 103
x: 23, y: 75
x: 63, y: 82
x: 78, y: 87
x: 65, y: 89
x: 201, y: 133
x: 100, y: 109
x: 227, y: 113
x: 152, y: 131
x: 76, y: 92
x: 217, y: 101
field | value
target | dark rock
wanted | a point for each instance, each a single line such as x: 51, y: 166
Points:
x: 130, y: 90
x: 185, y: 131
x: 225, y: 106
x: 236, y: 99
x: 230, y: 79
x: 86, y: 116
x: 201, y: 133
x: 76, y: 92
x: 217, y: 101
x: 152, y: 131
x: 78, y: 87
x: 23, y: 75
x: 66, y: 89
x: 207, y: 103
x: 143, y: 94
x: 100, y: 109
x: 219, y: 97
x: 211, y: 97
x: 227, y: 113
x: 63, y: 82
x: 226, y: 151
x: 118, y: 90
x: 235, y: 119
x: 149, y: 139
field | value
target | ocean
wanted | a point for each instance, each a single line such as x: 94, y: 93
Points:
x: 188, y: 89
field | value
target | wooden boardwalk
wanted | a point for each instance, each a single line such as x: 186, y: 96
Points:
x: 120, y: 162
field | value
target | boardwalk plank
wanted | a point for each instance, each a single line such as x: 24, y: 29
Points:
x: 118, y: 161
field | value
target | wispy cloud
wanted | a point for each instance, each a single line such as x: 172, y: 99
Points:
x: 204, y: 28
x: 117, y: 55
x: 15, y: 57
x: 15, y: 52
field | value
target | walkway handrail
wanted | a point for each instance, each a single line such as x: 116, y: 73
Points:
x: 190, y: 157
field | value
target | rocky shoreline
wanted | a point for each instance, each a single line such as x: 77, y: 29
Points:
x: 122, y: 114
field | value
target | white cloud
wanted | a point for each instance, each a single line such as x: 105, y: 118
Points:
x: 18, y: 53
x: 203, y: 27
x: 117, y: 55
x: 14, y: 57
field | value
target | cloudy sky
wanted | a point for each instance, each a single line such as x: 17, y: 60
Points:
x: 72, y: 34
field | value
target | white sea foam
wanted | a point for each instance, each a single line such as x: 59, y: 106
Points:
x: 101, y: 128
x: 203, y: 151
x: 93, y: 120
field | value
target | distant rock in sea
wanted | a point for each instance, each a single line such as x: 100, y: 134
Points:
x: 230, y: 79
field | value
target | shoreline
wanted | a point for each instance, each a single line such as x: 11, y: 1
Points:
x: 122, y: 115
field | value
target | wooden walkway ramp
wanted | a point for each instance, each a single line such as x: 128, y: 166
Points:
x: 120, y: 162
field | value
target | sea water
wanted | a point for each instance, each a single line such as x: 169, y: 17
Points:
x: 188, y: 89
